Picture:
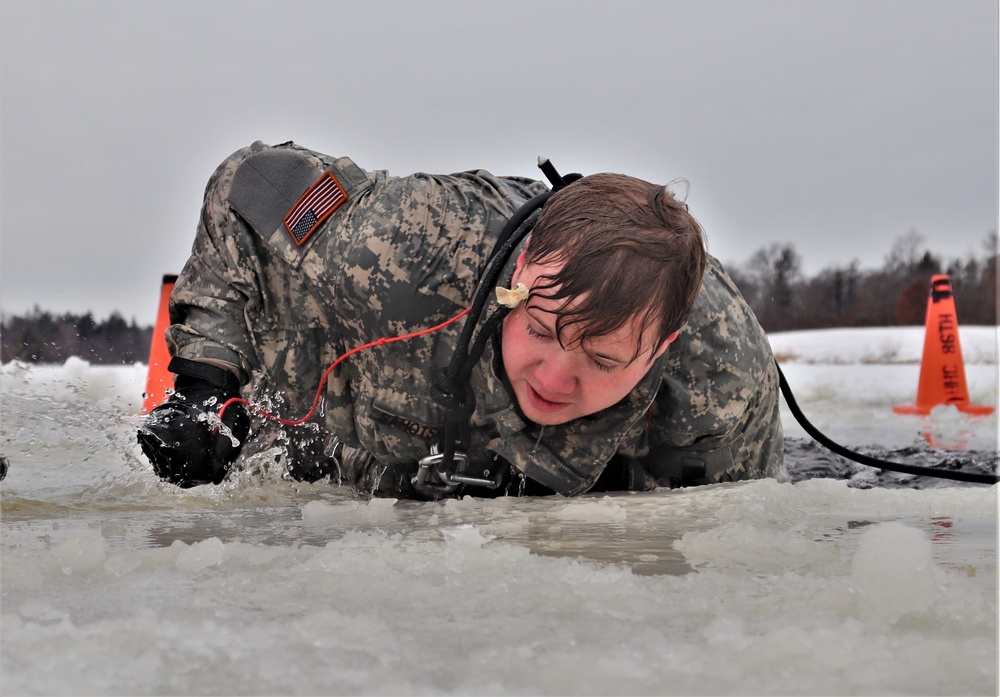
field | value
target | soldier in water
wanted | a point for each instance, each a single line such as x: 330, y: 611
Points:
x: 627, y: 358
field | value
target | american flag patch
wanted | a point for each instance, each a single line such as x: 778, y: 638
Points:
x: 315, y: 206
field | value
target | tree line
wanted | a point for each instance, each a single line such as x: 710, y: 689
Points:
x: 846, y: 296
x: 42, y: 337
x: 771, y: 280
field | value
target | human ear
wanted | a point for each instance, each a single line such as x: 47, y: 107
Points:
x: 519, y: 265
x: 663, y: 347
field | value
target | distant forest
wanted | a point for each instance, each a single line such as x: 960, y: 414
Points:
x: 41, y: 337
x: 772, y: 282
x: 847, y: 296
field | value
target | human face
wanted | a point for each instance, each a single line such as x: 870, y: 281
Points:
x: 553, y: 384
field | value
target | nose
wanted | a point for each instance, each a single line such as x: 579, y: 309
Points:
x: 555, y: 375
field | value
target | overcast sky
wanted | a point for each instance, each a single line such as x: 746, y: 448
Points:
x: 838, y: 126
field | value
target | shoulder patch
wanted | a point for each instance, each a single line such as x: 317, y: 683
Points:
x: 316, y: 205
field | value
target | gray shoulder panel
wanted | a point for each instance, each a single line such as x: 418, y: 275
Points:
x: 268, y: 183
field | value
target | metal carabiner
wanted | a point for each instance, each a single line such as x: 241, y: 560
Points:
x: 431, y: 479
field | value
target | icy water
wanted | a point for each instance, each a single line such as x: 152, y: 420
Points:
x: 843, y: 581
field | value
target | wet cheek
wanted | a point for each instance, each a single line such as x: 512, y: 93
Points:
x: 610, y: 387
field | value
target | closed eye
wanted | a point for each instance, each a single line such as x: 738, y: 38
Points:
x: 606, y: 367
x: 535, y: 333
x: 601, y: 363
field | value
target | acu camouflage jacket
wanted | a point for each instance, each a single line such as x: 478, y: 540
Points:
x: 300, y: 257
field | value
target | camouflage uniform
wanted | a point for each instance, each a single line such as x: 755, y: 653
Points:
x: 402, y: 254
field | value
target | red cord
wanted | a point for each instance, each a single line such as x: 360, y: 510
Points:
x: 326, y: 374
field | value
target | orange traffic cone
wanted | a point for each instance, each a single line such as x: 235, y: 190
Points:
x: 158, y: 378
x: 942, y: 369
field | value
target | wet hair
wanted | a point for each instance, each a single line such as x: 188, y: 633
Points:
x: 628, y: 248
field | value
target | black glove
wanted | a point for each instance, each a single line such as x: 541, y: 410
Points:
x: 181, y: 439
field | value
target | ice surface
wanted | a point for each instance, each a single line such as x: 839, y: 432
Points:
x: 115, y: 583
x: 893, y: 572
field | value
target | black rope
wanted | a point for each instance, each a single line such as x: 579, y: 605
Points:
x: 452, y: 388
x: 860, y: 458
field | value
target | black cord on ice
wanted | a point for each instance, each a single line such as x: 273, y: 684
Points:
x: 874, y: 461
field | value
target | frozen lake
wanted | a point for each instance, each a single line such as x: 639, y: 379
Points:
x: 844, y: 581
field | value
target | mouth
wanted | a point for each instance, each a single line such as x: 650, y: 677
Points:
x: 543, y: 404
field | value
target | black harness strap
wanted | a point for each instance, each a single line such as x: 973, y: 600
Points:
x: 452, y: 389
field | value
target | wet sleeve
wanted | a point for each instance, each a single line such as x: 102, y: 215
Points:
x: 218, y: 284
